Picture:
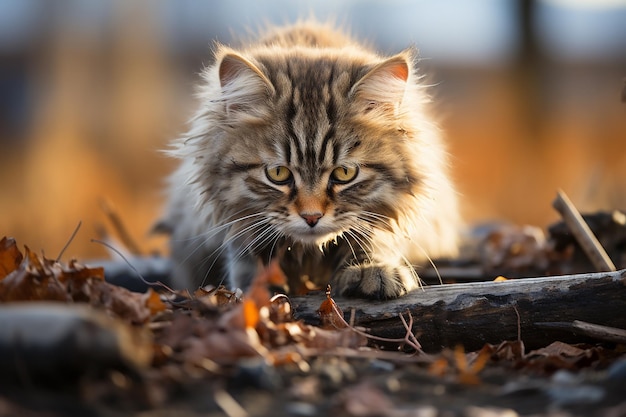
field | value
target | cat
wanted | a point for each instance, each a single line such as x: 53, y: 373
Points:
x: 310, y: 149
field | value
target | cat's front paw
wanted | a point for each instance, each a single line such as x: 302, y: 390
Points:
x: 375, y: 281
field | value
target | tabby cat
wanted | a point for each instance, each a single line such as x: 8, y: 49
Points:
x: 313, y: 150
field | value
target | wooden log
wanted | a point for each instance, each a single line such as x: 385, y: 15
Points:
x: 52, y: 343
x: 472, y: 314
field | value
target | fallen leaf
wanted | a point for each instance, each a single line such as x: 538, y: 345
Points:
x: 331, y: 316
x: 31, y: 283
x: 250, y: 314
x: 559, y: 355
x: 10, y: 256
x: 439, y: 367
x: 507, y: 350
x: 152, y: 300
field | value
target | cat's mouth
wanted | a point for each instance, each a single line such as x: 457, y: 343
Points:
x: 314, y: 236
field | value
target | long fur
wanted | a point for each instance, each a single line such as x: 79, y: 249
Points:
x: 309, y: 98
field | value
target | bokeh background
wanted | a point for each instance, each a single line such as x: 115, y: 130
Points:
x: 91, y: 90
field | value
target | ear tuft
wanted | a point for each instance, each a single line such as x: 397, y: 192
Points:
x: 234, y: 67
x: 244, y: 86
x: 384, y: 84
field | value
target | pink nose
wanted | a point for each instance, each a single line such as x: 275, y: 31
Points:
x: 311, y: 218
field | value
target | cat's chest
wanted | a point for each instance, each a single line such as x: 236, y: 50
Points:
x: 304, y: 266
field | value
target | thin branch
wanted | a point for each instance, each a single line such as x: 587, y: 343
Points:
x: 120, y: 228
x: 148, y: 283
x: 69, y: 241
x: 596, y: 331
x: 228, y: 404
x: 519, y: 325
x: 408, y: 338
x: 583, y: 234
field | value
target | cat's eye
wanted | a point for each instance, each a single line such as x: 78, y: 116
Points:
x: 344, y: 175
x: 279, y: 175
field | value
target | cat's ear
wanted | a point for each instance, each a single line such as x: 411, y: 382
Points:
x: 383, y: 86
x: 244, y: 86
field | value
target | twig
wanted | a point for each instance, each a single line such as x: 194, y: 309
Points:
x: 408, y: 338
x: 595, y: 331
x: 141, y: 278
x: 583, y: 234
x: 120, y: 229
x: 228, y: 404
x: 519, y: 325
x: 69, y: 241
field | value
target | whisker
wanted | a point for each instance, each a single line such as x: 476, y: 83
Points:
x: 217, y: 228
x: 279, y: 235
x: 361, y: 238
x: 213, y: 232
x: 266, y: 235
x: 367, y: 220
x: 375, y: 218
x: 349, y: 233
x: 257, y: 241
x: 217, y: 253
x: 429, y: 259
x: 409, y: 238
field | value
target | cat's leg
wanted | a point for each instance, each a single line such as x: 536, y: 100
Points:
x: 373, y: 274
x: 241, y: 266
x: 195, y: 254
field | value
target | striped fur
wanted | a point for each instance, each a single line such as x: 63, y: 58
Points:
x: 309, y: 100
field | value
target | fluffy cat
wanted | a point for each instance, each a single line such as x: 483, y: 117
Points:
x: 310, y: 148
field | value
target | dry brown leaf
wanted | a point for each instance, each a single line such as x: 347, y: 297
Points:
x: 250, y: 314
x: 10, y: 256
x: 439, y: 367
x: 507, y: 350
x: 119, y: 301
x: 39, y: 279
x: 331, y: 316
x: 212, y: 297
x: 514, y: 248
x: 33, y: 280
x: 559, y: 355
x: 193, y: 339
x: 470, y: 365
x: 152, y: 300
x: 559, y: 349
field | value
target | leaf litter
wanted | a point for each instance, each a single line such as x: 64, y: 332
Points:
x: 226, y: 341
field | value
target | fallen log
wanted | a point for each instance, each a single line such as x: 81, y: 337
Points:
x: 472, y: 314
x: 52, y: 343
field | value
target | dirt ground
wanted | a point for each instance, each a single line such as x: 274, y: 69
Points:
x: 347, y: 387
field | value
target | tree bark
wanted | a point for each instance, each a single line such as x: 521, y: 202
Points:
x: 472, y: 314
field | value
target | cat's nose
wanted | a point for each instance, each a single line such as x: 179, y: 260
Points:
x: 311, y: 218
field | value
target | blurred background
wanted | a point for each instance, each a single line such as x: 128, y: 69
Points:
x: 92, y: 90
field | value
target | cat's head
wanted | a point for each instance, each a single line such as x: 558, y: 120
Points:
x: 307, y: 144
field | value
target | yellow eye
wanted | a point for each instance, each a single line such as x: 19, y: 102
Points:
x: 278, y: 175
x: 343, y: 175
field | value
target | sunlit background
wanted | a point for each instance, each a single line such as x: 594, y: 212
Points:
x: 91, y: 90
